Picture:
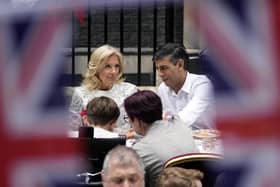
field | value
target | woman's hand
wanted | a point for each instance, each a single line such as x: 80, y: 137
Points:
x: 130, y: 134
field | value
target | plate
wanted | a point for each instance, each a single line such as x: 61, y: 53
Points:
x: 205, y: 133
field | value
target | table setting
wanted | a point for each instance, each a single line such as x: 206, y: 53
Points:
x: 208, y: 140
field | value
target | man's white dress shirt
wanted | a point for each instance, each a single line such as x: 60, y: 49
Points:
x: 194, y: 102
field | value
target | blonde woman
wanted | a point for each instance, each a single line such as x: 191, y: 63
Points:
x: 103, y: 77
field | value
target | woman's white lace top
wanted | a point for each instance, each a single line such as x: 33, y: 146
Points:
x: 81, y: 97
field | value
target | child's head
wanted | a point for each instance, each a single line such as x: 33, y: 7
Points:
x: 180, y: 177
x: 103, y: 111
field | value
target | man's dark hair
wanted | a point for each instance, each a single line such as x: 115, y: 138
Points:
x: 175, y: 51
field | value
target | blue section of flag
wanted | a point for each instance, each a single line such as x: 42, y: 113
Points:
x: 20, y: 28
x: 220, y: 82
x: 237, y: 7
x: 56, y: 97
x: 231, y: 176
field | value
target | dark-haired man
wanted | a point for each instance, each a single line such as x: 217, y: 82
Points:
x: 188, y: 95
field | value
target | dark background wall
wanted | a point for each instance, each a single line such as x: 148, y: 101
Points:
x: 130, y: 26
x: 105, y: 27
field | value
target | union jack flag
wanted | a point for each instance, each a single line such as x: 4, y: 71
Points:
x: 243, y: 38
x: 34, y: 147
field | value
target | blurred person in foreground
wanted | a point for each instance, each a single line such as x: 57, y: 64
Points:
x: 161, y: 140
x: 188, y: 95
x: 123, y: 167
x: 179, y: 177
x: 103, y: 77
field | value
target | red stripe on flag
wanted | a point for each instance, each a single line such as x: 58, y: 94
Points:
x: 253, y: 126
x: 31, y: 148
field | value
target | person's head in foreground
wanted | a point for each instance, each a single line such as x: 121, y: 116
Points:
x: 179, y: 177
x: 143, y: 108
x: 103, y: 112
x: 123, y: 167
x: 105, y: 68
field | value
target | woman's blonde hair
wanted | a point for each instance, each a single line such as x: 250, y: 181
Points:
x: 97, y: 60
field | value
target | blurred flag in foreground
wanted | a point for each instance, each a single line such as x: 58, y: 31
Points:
x: 34, y: 148
x: 243, y: 37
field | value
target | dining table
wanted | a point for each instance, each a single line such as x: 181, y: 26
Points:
x: 206, y: 140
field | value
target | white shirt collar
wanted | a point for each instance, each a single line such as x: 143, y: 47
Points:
x: 186, y: 86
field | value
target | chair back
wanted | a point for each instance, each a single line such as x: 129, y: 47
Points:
x: 97, y: 148
x: 86, y: 132
x: 207, y: 163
